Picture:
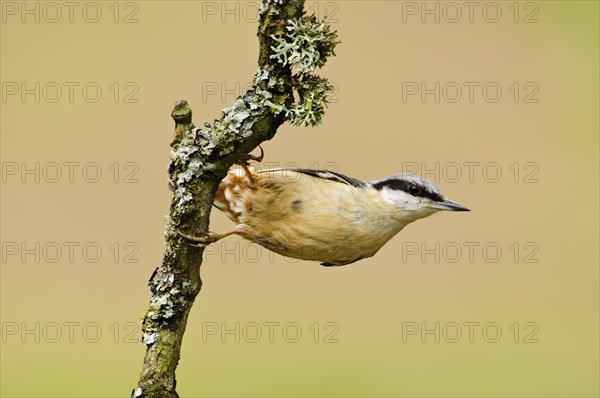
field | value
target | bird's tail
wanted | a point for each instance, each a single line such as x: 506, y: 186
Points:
x: 229, y: 198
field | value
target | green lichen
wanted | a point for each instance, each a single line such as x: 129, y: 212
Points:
x: 305, y: 45
x: 309, y: 108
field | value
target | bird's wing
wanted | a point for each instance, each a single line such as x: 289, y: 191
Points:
x: 325, y: 174
x: 339, y: 263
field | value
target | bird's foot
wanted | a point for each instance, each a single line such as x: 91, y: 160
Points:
x: 212, y: 237
x: 245, y: 158
x: 207, y: 239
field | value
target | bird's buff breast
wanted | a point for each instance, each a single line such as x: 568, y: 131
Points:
x: 309, y: 218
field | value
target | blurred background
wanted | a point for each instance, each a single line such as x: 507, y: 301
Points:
x: 496, y: 102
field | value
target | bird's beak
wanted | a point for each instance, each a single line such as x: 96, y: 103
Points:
x: 447, y: 204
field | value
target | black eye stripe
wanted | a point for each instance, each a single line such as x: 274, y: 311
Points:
x: 413, y: 189
x: 408, y: 187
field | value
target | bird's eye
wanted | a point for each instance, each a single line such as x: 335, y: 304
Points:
x: 413, y: 190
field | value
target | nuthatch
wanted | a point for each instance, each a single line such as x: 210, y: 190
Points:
x: 322, y: 215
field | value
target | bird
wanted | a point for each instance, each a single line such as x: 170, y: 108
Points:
x: 321, y: 215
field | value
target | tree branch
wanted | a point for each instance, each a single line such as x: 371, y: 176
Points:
x: 292, y: 46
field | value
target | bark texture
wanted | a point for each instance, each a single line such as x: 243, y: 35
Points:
x: 292, y: 46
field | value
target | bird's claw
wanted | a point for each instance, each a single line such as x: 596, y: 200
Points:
x: 201, y: 240
x: 244, y: 159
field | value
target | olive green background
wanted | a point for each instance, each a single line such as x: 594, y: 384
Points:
x: 186, y: 49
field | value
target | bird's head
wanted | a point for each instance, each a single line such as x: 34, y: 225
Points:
x: 414, y: 196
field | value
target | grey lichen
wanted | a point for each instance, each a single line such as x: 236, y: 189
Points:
x: 150, y: 335
x: 265, y: 4
x: 184, y: 157
x: 292, y: 46
x: 306, y: 44
x: 309, y: 108
x: 168, y: 297
x: 169, y: 232
x: 237, y: 118
x: 192, y: 157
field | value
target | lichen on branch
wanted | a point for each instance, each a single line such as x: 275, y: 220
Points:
x: 305, y: 47
x: 292, y: 47
x: 312, y: 97
x: 306, y: 44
